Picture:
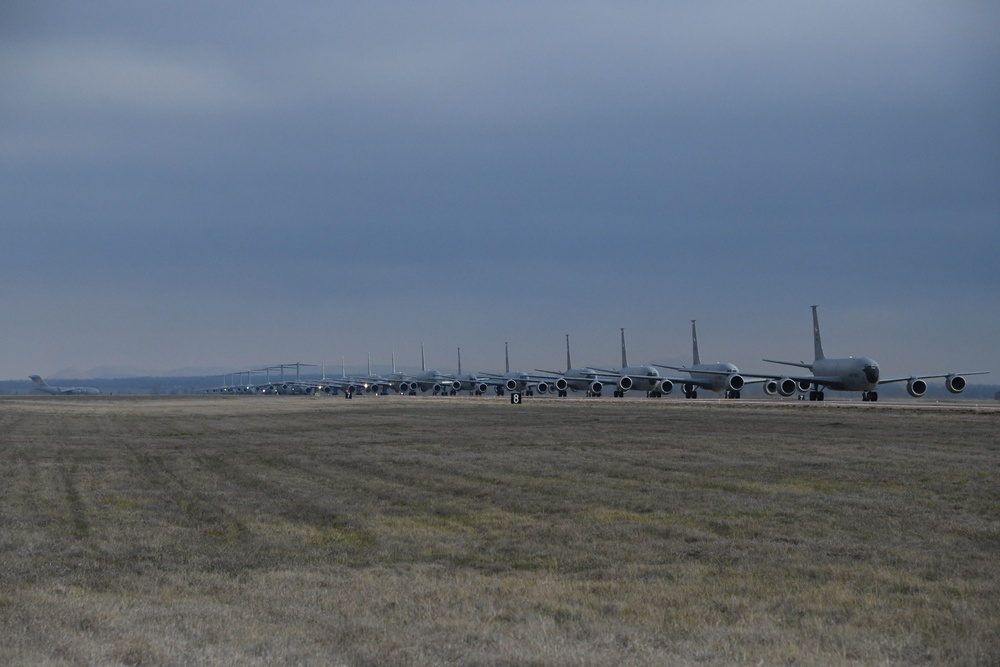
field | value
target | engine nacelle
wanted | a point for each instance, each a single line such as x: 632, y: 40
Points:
x: 688, y: 387
x: 481, y: 387
x: 454, y: 385
x: 956, y: 384
x: 666, y: 387
x: 511, y: 385
x: 404, y: 387
x: 561, y: 384
x: 596, y: 387
x: 916, y: 387
x: 542, y: 387
x: 770, y: 387
x: 787, y: 386
x: 735, y: 382
x: 804, y: 385
x: 624, y: 383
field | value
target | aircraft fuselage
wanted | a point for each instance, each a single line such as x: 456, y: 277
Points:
x: 855, y: 373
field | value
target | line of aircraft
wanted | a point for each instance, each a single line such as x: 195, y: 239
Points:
x: 849, y: 374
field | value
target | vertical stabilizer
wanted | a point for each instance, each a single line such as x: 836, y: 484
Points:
x: 569, y: 364
x: 695, y: 357
x: 624, y: 357
x: 422, y: 367
x: 816, y: 339
x: 459, y: 361
x: 369, y: 364
x: 392, y: 355
x: 506, y: 357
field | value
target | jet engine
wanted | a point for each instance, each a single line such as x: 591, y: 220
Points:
x: 454, y: 385
x: 955, y: 384
x: 511, y: 385
x: 770, y: 387
x: 404, y: 387
x: 481, y: 387
x: 735, y: 382
x: 916, y: 387
x: 804, y: 385
x: 561, y: 384
x: 666, y: 387
x: 687, y: 388
x: 596, y: 386
x: 542, y: 387
x: 624, y: 383
x: 787, y: 386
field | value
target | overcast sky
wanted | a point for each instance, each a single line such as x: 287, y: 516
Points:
x: 192, y: 185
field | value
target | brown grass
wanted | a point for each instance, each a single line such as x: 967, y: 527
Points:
x: 262, y: 530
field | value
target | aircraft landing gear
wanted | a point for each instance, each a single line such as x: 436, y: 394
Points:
x: 869, y: 396
x: 816, y: 396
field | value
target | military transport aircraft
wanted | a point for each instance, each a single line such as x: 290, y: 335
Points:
x: 469, y: 381
x: 849, y: 374
x: 61, y: 391
x: 518, y: 381
x: 641, y: 378
x: 718, y: 376
x: 585, y: 379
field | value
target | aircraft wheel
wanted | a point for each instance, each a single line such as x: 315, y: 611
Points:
x: 873, y: 396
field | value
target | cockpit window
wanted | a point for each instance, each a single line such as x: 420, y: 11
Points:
x: 871, y: 373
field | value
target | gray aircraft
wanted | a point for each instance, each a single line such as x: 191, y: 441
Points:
x: 640, y: 378
x: 427, y: 380
x: 718, y: 376
x: 590, y: 380
x: 41, y: 386
x: 849, y: 374
x: 469, y: 381
x: 517, y: 381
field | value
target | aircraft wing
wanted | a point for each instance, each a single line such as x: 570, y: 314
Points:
x: 929, y: 377
x: 748, y: 378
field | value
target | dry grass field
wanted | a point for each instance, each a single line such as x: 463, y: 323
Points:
x: 319, y: 531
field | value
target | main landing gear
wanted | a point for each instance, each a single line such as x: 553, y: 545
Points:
x: 869, y: 396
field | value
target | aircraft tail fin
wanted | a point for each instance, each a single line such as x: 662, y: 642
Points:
x: 506, y: 357
x: 422, y: 366
x: 696, y: 359
x: 38, y: 380
x: 569, y: 364
x: 624, y: 357
x: 817, y: 343
x: 459, y: 361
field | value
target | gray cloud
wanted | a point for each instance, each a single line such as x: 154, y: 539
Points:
x: 191, y: 184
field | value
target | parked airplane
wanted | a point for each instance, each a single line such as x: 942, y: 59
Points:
x: 469, y: 381
x: 427, y: 380
x: 719, y: 376
x: 850, y: 374
x: 518, y: 381
x: 643, y: 378
x: 41, y: 386
x: 578, y: 379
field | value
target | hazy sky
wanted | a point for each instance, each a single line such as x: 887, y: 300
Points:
x: 220, y: 185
